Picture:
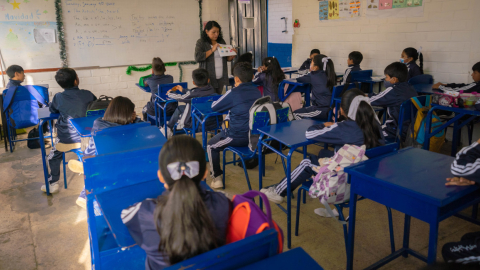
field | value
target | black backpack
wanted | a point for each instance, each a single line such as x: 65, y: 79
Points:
x: 35, y: 144
x: 100, y: 104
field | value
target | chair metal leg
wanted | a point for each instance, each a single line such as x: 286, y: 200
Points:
x: 246, y: 173
x: 304, y: 196
x: 297, y: 220
x: 224, y: 163
x: 390, y: 227
x: 234, y: 159
x: 341, y: 217
x: 64, y: 171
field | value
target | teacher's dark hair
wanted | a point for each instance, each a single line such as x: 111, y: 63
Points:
x: 209, y: 27
x: 182, y: 219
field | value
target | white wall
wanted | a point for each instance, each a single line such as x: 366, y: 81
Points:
x: 449, y: 33
x: 276, y: 10
x: 114, y: 81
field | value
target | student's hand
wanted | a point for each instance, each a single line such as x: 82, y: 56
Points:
x: 178, y: 88
x: 459, y: 181
x: 261, y: 68
x: 437, y: 85
x: 214, y: 47
x: 478, y: 141
x: 327, y: 124
x: 235, y: 50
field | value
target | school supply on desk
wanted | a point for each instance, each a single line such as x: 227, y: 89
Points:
x: 226, y: 50
x: 142, y: 80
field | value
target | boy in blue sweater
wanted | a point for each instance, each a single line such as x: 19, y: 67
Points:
x: 16, y: 75
x: 237, y: 102
x: 354, y: 60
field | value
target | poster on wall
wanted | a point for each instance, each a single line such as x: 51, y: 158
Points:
x: 333, y: 11
x: 339, y: 9
x: 385, y: 4
x: 323, y: 10
x: 394, y: 8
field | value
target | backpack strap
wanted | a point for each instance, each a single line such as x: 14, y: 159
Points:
x: 9, y: 97
x: 34, y: 91
x: 254, y: 193
x: 417, y: 103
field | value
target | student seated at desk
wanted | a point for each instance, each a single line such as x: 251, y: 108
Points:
x: 409, y: 57
x: 353, y: 61
x: 270, y: 75
x: 465, y: 168
x: 397, y: 90
x: 308, y: 62
x: 237, y: 102
x: 120, y: 111
x: 71, y: 103
x: 322, y: 77
x: 16, y: 75
x: 466, y: 88
x: 361, y: 127
x: 182, y: 114
x: 187, y: 220
x: 159, y: 77
x: 246, y: 57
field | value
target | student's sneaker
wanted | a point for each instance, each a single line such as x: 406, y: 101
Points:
x: 75, y: 166
x: 82, y: 199
x: 53, y: 188
x: 169, y: 132
x: 323, y: 212
x: 217, y: 182
x: 272, y: 195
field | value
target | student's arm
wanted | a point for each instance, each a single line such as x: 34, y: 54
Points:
x: 304, y: 66
x: 325, y: 133
x: 259, y: 78
x: 54, y: 105
x: 384, y: 99
x: 457, y: 86
x: 91, y: 149
x: 176, y: 96
x: 224, y: 103
x: 467, y: 162
x: 347, y: 77
x: 307, y: 78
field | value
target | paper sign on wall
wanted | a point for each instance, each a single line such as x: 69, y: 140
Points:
x: 414, y: 3
x: 399, y: 3
x: 44, y: 35
x: 333, y: 10
x: 372, y: 4
x: 385, y: 4
x: 226, y: 50
x: 323, y: 10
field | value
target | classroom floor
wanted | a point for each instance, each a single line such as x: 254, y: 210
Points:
x: 40, y: 232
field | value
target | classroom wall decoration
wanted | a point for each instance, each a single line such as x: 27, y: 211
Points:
x: 339, y: 9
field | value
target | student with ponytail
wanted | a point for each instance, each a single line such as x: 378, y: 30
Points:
x: 361, y: 127
x: 185, y: 221
x: 322, y: 77
x: 158, y: 77
x: 270, y: 75
x: 409, y: 57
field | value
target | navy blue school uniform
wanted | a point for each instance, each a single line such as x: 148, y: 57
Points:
x: 71, y: 103
x: 338, y: 134
x: 392, y: 98
x: 237, y: 102
x: 13, y: 82
x: 321, y: 96
x: 182, y: 114
x: 347, y: 77
x: 140, y: 221
x: 413, y: 70
x: 467, y: 163
x: 269, y: 89
x: 466, y: 88
x: 153, y: 82
x: 306, y: 65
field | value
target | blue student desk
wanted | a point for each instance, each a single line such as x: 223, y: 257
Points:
x: 411, y: 181
x: 294, y: 87
x: 296, y: 258
x: 144, y: 88
x: 44, y: 114
x: 83, y: 125
x: 290, y: 71
x: 425, y: 89
x: 292, y: 135
x: 201, y: 112
x: 458, y: 122
x: 108, y: 142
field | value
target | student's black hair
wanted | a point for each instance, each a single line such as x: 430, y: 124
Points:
x: 356, y: 57
x: 158, y: 66
x: 209, y: 27
x: 66, y: 77
x: 412, y: 52
x: 243, y: 71
x: 12, y: 69
x: 182, y: 219
x: 200, y: 77
x: 274, y: 72
x: 119, y: 111
x: 365, y: 118
x: 330, y: 70
x: 246, y: 57
x: 397, y: 70
x: 476, y: 67
x: 317, y: 51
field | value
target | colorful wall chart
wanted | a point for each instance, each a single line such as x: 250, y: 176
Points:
x: 339, y: 9
x: 323, y: 10
x: 394, y: 8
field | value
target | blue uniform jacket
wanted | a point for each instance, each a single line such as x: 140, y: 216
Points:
x: 306, y: 65
x: 13, y: 83
x: 140, y: 222
x: 153, y: 82
x: 71, y: 103
x: 321, y: 94
x: 467, y: 163
x: 347, y: 77
x: 466, y: 88
x: 268, y: 88
x: 392, y: 98
x: 413, y: 70
x: 238, y: 102
x: 339, y: 134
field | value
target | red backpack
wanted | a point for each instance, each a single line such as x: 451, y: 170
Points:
x: 248, y: 219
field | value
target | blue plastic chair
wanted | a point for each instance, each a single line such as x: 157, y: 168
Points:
x: 371, y: 153
x: 421, y: 79
x: 161, y: 103
x: 337, y: 93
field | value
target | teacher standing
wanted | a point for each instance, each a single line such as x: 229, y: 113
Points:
x: 208, y: 56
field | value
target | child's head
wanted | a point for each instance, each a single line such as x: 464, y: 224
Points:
x: 314, y: 52
x: 158, y: 66
x: 15, y: 72
x: 274, y: 71
x: 212, y: 32
x: 355, y: 58
x: 67, y: 78
x: 355, y: 106
x: 246, y: 57
x: 243, y: 73
x: 322, y: 62
x: 200, y: 77
x: 183, y: 221
x: 396, y: 73
x: 121, y: 111
x: 411, y: 55
x: 476, y: 72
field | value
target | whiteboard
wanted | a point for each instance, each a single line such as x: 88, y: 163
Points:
x: 18, y: 20
x: 125, y: 32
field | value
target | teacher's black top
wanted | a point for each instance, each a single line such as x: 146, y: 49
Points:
x: 209, y: 63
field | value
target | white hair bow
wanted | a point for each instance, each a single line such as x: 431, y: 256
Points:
x: 178, y: 169
x: 325, y: 61
x: 419, y: 50
x: 352, y: 111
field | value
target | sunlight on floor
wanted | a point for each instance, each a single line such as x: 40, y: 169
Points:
x: 84, y: 257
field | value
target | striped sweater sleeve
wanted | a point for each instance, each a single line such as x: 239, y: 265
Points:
x: 467, y: 163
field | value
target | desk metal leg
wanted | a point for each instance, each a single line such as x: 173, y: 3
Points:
x: 289, y: 199
x: 455, y: 139
x: 260, y: 168
x: 351, y: 229
x: 432, y: 243
x: 42, y: 147
x: 406, y: 235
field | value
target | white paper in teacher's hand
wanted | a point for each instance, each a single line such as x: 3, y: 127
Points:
x: 44, y: 36
x: 226, y: 50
